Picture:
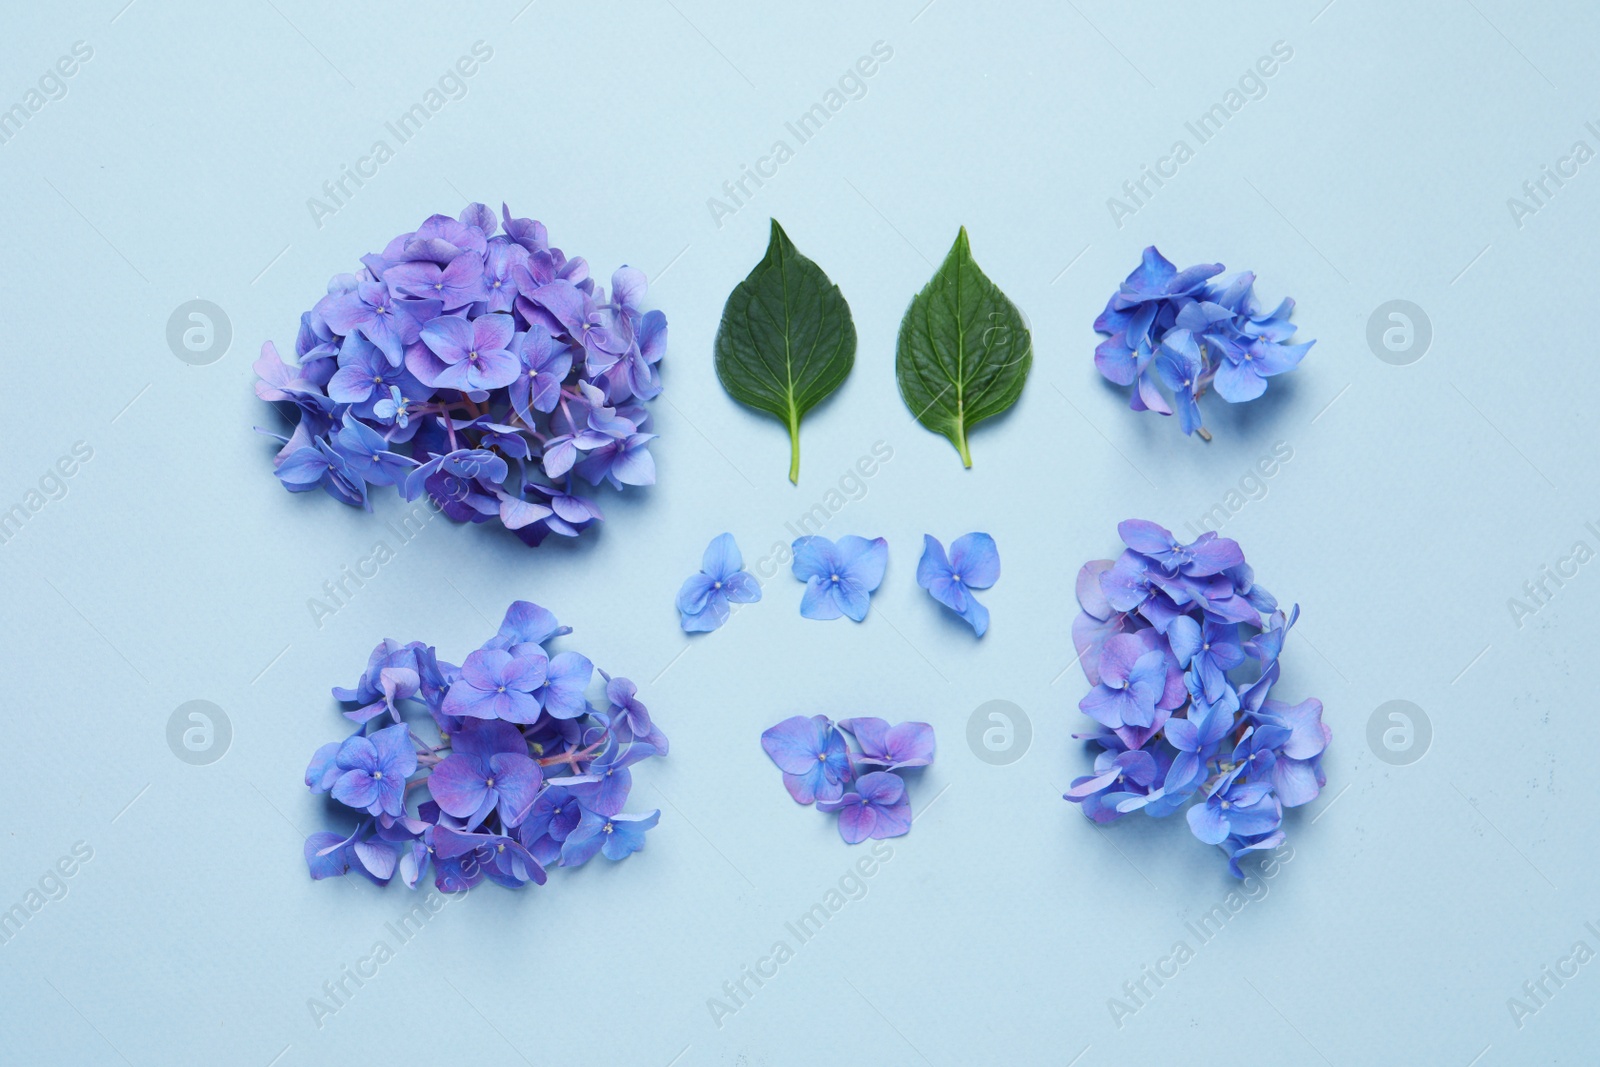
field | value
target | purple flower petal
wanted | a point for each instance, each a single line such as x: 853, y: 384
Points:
x: 795, y: 743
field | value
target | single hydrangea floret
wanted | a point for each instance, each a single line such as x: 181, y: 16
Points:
x: 704, y: 599
x: 973, y: 563
x: 840, y: 576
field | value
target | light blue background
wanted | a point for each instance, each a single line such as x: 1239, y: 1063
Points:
x: 1418, y: 500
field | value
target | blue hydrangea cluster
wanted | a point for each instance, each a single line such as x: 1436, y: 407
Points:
x: 482, y: 368
x: 861, y: 782
x: 1181, y: 646
x: 519, y: 771
x: 1191, y: 334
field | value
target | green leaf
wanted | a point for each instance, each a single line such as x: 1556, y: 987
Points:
x: 964, y: 350
x: 786, y: 340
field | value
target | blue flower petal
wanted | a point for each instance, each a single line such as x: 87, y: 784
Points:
x: 813, y: 557
x: 818, y: 601
x: 709, y: 618
x: 722, y: 558
x: 852, y: 597
x: 1206, y: 823
x: 862, y: 560
x: 933, y: 565
x: 741, y: 588
x: 695, y: 593
x: 975, y: 560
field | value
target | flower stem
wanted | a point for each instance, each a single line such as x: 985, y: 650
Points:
x: 572, y: 757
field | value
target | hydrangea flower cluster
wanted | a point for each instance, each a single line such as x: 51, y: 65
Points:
x: 1192, y: 334
x: 1182, y: 649
x: 859, y: 781
x: 483, y: 368
x: 524, y: 773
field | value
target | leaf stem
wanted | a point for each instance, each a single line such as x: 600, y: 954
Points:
x: 794, y: 451
x: 961, y: 447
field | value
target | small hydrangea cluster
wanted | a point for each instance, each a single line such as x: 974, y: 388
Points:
x: 487, y: 807
x: 819, y: 765
x: 1182, y: 649
x: 484, y: 369
x: 1192, y: 334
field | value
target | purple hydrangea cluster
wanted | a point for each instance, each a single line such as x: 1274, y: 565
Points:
x: 483, y: 368
x: 1182, y: 649
x: 1191, y: 334
x: 860, y: 781
x: 523, y: 772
